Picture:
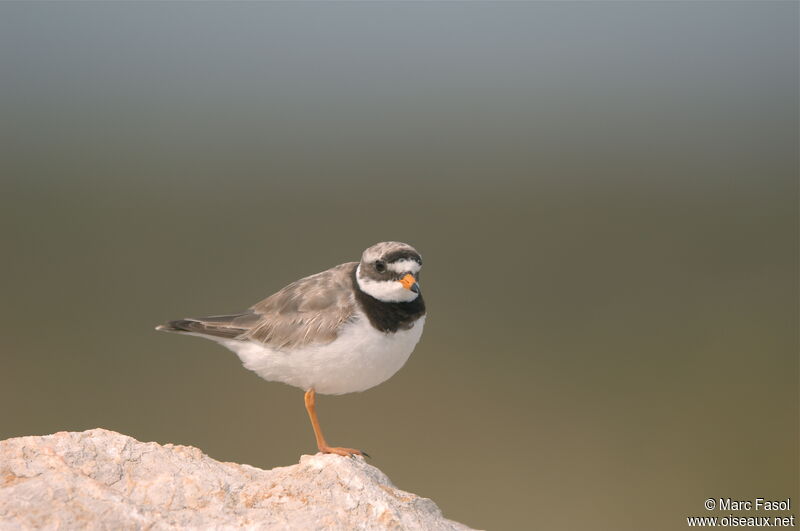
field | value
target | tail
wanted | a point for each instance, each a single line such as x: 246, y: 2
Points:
x: 217, y: 326
x: 179, y: 325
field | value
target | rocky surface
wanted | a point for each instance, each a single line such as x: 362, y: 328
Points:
x: 100, y: 479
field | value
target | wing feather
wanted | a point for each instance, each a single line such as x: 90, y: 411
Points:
x: 215, y: 326
x: 307, y: 311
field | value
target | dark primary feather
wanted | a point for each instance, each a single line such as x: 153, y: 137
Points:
x: 225, y: 326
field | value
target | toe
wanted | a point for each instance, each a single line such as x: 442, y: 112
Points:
x: 346, y: 452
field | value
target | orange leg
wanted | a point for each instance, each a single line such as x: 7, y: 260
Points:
x: 321, y: 444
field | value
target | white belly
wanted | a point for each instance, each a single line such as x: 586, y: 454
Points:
x: 359, y: 358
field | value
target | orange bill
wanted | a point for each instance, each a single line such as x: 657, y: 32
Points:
x: 408, y: 281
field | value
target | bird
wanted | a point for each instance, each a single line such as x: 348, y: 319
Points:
x: 343, y: 330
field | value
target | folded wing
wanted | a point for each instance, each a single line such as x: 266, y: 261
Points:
x: 305, y: 312
x: 308, y: 311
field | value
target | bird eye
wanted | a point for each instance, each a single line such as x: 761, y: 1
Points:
x: 380, y: 267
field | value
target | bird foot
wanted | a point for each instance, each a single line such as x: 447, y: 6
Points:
x: 346, y: 452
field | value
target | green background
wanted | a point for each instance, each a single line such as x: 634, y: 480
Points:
x: 605, y: 196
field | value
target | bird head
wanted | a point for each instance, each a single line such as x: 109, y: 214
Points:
x: 389, y: 271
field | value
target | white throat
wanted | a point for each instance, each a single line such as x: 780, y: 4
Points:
x: 384, y: 290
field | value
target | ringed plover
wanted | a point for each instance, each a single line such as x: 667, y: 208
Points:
x: 340, y: 331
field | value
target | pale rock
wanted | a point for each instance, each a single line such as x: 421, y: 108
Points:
x: 100, y: 479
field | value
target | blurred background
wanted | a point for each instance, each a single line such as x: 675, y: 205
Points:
x: 605, y: 196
